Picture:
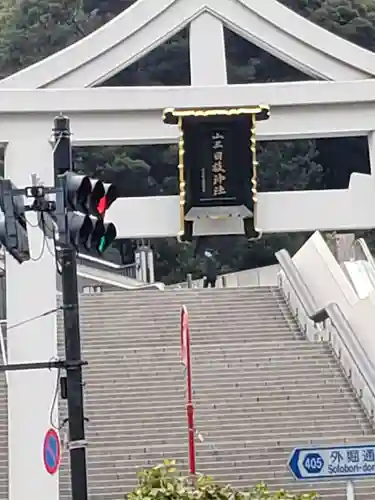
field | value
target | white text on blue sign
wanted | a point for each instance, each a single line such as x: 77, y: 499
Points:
x: 340, y: 462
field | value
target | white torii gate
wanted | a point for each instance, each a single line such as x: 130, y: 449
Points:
x: 342, y: 105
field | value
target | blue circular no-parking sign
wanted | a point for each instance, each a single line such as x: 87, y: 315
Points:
x: 51, y: 451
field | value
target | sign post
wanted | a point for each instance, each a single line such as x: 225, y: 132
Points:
x: 51, y: 452
x: 350, y: 494
x: 347, y: 463
x: 186, y: 360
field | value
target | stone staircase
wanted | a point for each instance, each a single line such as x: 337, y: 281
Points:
x: 3, y: 437
x: 260, y: 390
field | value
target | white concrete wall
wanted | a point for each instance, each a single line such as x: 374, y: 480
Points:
x: 328, y: 283
x: 260, y: 276
x: 362, y: 276
x: 323, y: 275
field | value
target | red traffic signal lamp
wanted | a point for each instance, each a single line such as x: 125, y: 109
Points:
x: 87, y: 201
x: 89, y: 196
x: 108, y: 197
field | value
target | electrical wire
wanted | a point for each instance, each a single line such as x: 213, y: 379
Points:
x: 58, y: 264
x: 53, y: 252
x: 54, y: 405
x: 42, y: 224
x: 34, y: 318
x: 57, y: 142
x: 30, y: 224
x: 41, y: 253
x: 54, y: 401
x: 42, y: 250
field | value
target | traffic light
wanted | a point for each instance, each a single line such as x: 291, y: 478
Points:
x: 87, y: 201
x: 108, y: 197
x: 13, y: 225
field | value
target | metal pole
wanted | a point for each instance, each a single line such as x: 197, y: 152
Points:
x: 190, y: 408
x: 189, y: 278
x: 350, y: 494
x: 77, y: 442
x: 143, y: 255
x: 62, y: 153
x: 186, y: 355
x: 62, y: 162
x: 151, y: 266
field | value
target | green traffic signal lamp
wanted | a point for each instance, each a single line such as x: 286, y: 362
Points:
x: 103, y: 236
x: 108, y: 237
x: 90, y: 233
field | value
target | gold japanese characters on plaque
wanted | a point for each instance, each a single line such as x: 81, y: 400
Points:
x: 218, y: 167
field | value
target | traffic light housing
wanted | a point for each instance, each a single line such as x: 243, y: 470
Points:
x: 87, y: 201
x: 13, y: 224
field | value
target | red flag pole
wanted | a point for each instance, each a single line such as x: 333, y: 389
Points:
x: 186, y: 359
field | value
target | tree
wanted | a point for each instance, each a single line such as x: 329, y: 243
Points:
x: 354, y: 20
x: 33, y: 30
x: 165, y: 482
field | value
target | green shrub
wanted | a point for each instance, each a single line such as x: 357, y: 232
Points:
x: 165, y: 482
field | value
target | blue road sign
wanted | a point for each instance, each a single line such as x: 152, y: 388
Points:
x: 340, y: 462
x: 51, y: 451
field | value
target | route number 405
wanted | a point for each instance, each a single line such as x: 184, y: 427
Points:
x: 313, y: 463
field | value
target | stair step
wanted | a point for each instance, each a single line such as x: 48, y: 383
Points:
x: 260, y: 389
x: 219, y: 368
x: 117, y: 388
x: 255, y: 349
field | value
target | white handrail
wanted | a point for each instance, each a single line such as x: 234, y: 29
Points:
x: 366, y: 265
x: 343, y: 342
x: 365, y: 249
x: 103, y: 262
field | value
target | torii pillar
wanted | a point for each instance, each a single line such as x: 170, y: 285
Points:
x: 31, y: 291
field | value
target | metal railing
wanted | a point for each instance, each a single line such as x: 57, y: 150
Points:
x: 129, y: 271
x: 330, y: 325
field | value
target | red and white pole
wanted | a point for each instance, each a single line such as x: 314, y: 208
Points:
x: 186, y: 359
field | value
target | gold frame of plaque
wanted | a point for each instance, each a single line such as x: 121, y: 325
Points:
x: 172, y: 116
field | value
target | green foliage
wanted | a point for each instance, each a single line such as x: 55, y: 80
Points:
x: 164, y: 482
x: 33, y: 30
x: 354, y: 20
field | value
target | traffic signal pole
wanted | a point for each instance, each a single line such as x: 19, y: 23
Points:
x: 77, y: 442
x: 62, y: 159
